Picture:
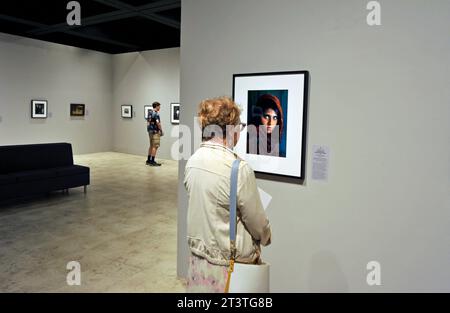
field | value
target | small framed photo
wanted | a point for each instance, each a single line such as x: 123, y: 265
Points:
x: 127, y: 111
x: 39, y: 109
x: 77, y: 109
x: 275, y: 111
x: 175, y: 113
x: 147, y: 110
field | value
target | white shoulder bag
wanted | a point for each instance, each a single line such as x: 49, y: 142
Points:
x: 247, y: 278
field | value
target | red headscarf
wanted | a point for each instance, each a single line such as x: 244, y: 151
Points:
x: 265, y: 102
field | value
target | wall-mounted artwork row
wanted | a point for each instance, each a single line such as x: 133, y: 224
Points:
x: 147, y: 110
x: 175, y: 113
x: 127, y: 111
x: 39, y: 109
x: 77, y: 109
x: 274, y: 107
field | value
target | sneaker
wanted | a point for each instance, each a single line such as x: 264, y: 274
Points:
x: 148, y: 162
x: 154, y: 164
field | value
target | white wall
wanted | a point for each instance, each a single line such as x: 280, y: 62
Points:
x: 139, y: 80
x: 379, y: 98
x: 31, y: 69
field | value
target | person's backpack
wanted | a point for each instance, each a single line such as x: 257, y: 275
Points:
x: 152, y: 118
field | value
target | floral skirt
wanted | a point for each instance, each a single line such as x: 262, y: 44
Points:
x: 205, y: 277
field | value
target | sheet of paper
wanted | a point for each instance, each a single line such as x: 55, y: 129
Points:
x: 320, y: 163
x: 265, y: 198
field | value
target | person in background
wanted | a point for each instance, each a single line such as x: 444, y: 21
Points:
x: 207, y: 180
x: 154, y: 132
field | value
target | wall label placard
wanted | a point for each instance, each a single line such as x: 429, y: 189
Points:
x: 320, y: 163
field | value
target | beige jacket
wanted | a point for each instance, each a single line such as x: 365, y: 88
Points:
x: 207, y: 180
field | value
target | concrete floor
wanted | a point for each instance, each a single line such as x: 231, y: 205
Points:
x: 122, y: 232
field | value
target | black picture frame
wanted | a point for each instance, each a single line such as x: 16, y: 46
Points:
x: 77, y: 109
x: 39, y: 109
x: 175, y: 113
x: 126, y: 111
x: 147, y: 108
x: 298, y: 174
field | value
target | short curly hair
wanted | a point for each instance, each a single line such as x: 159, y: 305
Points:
x: 221, y: 111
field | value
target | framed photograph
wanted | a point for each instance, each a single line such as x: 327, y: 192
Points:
x: 39, y: 109
x: 127, y: 111
x: 175, y: 113
x: 77, y: 109
x: 147, y: 110
x: 274, y: 107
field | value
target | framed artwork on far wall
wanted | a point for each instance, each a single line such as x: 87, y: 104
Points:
x: 274, y: 107
x: 127, y: 111
x: 77, y: 109
x: 39, y: 109
x: 175, y: 113
x: 147, y: 110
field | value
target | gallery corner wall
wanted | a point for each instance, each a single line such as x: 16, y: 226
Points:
x: 139, y: 80
x: 37, y: 70
x: 379, y: 98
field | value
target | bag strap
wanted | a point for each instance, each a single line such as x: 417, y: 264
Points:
x: 233, y: 199
x: 233, y: 218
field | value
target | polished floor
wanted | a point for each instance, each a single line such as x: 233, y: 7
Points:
x: 122, y: 232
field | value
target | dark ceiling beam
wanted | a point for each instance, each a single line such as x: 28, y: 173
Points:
x: 70, y: 32
x: 88, y: 21
x: 19, y: 21
x: 101, y: 39
x: 150, y: 8
x: 146, y: 13
x: 163, y: 20
x: 158, y: 6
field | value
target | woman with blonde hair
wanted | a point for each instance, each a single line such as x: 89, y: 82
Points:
x: 207, y: 180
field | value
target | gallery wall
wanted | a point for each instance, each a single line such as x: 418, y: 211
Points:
x: 139, y: 80
x: 32, y: 69
x: 379, y: 99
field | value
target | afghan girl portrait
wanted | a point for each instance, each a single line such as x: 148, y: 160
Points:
x: 267, y: 122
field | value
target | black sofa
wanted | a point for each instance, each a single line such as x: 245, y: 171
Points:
x: 29, y: 170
